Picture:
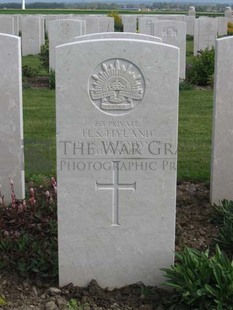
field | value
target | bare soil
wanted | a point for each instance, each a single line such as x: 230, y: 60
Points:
x: 194, y: 229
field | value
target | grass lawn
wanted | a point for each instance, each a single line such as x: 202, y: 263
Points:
x: 195, y: 121
x: 195, y: 116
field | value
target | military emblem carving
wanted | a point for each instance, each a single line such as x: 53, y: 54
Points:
x: 116, y: 85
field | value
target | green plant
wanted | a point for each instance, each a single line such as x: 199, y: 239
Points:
x: 201, y: 68
x: 210, y: 81
x: 2, y: 301
x: 75, y: 305
x: 201, y: 282
x: 52, y: 79
x: 184, y: 85
x: 28, y: 233
x: 117, y: 21
x: 223, y: 211
x: 44, y: 56
x: 28, y: 71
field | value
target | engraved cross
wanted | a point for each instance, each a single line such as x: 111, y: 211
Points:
x: 115, y: 186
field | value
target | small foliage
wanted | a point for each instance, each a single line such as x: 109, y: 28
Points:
x: 2, y: 301
x: 223, y: 216
x: 117, y: 21
x: 52, y: 79
x: 201, y: 282
x: 28, y: 232
x: 202, y: 68
x: 44, y: 56
x: 184, y: 85
x: 28, y: 71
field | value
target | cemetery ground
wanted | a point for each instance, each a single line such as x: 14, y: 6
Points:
x: 28, y: 246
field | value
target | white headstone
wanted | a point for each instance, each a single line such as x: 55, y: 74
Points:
x: 119, y: 35
x: 7, y: 24
x: 106, y: 24
x: 222, y: 141
x: 205, y: 33
x: 31, y: 35
x: 116, y: 155
x: 60, y: 32
x: 228, y: 12
x: 190, y: 22
x: 129, y: 23
x: 173, y: 33
x: 146, y: 25
x: 222, y: 26
x: 92, y: 24
x: 11, y: 117
x: 192, y: 11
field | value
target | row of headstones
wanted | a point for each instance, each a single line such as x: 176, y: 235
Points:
x: 204, y: 29
x: 117, y: 120
x: 33, y: 27
x: 170, y: 32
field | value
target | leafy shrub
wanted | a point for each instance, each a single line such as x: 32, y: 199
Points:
x: 230, y: 28
x: 52, y: 79
x: 184, y: 85
x: 201, y: 282
x: 28, y: 233
x: 117, y: 21
x: 189, y: 37
x: 201, y: 68
x: 223, y: 211
x: 28, y: 71
x: 44, y: 56
x: 223, y: 216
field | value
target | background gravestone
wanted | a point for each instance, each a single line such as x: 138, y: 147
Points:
x: 62, y: 31
x: 7, y: 24
x: 11, y: 117
x: 205, y: 33
x: 116, y: 160
x: 174, y: 33
x: 222, y: 141
x: 31, y: 35
x: 129, y: 23
x: 119, y: 35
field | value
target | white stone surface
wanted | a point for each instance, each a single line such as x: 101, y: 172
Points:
x: 222, y: 26
x: 228, y: 12
x: 173, y: 33
x: 11, y: 117
x: 222, y: 141
x: 31, y: 35
x: 205, y: 33
x: 116, y: 106
x: 192, y: 11
x: 129, y: 23
x: 190, y: 22
x: 119, y: 35
x: 106, y: 24
x: 146, y: 24
x: 48, y: 19
x: 92, y: 24
x: 7, y: 24
x: 60, y: 32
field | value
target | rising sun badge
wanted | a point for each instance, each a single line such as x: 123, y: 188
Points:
x: 116, y: 86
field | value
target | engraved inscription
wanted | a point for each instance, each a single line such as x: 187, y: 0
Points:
x: 115, y: 186
x: 169, y: 33
x: 150, y: 25
x: 64, y: 29
x: 116, y: 86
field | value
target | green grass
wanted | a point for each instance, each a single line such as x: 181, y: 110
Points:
x: 34, y: 62
x: 195, y: 126
x: 189, y: 51
x: 195, y: 117
x: 39, y: 132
